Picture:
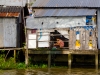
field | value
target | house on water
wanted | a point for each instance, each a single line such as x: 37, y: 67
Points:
x: 76, y: 22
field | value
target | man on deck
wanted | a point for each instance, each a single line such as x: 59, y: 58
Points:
x: 59, y: 43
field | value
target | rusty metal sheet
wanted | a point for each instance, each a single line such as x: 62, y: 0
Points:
x: 9, y: 14
x: 10, y: 11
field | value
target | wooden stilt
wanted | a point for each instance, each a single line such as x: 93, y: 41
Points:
x: 69, y: 61
x: 96, y: 61
x: 49, y: 60
x: 26, y: 57
x: 15, y: 56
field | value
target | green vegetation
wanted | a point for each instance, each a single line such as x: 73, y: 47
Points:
x: 10, y: 64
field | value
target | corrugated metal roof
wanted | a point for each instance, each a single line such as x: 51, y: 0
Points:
x: 63, y: 12
x: 13, y: 2
x: 66, y: 3
x: 10, y: 11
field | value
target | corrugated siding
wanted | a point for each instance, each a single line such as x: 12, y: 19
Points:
x: 9, y: 32
x: 54, y: 22
x: 66, y: 3
x: 1, y: 33
x: 98, y: 23
x: 64, y: 12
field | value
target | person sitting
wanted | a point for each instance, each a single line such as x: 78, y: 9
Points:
x: 59, y: 43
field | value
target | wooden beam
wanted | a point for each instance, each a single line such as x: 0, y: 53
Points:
x: 11, y: 49
x: 26, y: 57
x: 64, y: 51
x: 26, y: 50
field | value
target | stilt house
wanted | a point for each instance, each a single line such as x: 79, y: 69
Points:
x: 76, y: 22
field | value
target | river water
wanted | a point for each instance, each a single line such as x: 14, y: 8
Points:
x: 52, y: 71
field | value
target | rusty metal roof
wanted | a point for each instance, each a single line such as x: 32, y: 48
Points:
x: 66, y: 3
x: 63, y: 12
x: 10, y: 11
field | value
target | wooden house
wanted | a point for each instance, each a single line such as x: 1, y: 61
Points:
x: 76, y: 22
x: 70, y: 21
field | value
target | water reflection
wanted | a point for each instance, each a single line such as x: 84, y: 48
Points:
x: 52, y: 71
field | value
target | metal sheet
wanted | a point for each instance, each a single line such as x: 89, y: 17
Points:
x: 13, y: 2
x: 66, y: 3
x: 54, y: 22
x: 9, y: 32
x: 63, y: 12
x: 98, y: 23
x: 1, y: 33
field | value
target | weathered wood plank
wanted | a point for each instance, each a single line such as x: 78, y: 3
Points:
x: 87, y: 40
x: 94, y: 40
x: 85, y: 52
x: 11, y: 48
x: 83, y: 39
x: 74, y: 39
x: 70, y: 39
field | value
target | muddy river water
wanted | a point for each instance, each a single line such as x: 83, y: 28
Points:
x: 52, y: 71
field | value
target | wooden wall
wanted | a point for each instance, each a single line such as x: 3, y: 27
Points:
x: 84, y: 39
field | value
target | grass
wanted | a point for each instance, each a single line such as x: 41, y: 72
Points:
x: 10, y: 64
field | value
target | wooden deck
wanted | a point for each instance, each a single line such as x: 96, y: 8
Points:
x: 69, y: 52
x: 64, y: 51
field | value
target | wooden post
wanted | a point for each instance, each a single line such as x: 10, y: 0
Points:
x: 26, y: 57
x: 96, y: 61
x: 69, y: 61
x: 15, y: 56
x: 49, y: 60
x: 26, y: 50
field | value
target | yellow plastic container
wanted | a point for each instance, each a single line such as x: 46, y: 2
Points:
x: 77, y: 44
x: 90, y: 44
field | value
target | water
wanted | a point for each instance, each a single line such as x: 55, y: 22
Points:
x: 52, y: 71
